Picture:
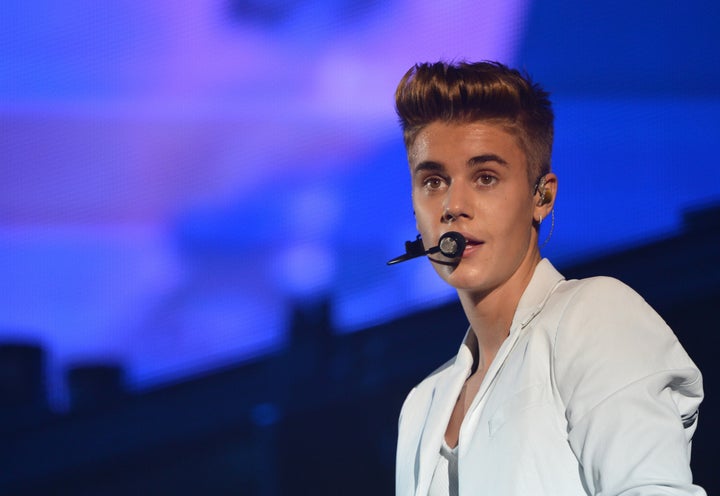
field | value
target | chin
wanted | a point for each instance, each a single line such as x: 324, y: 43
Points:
x: 465, y: 280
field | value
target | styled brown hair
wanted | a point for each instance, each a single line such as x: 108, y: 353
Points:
x: 483, y: 91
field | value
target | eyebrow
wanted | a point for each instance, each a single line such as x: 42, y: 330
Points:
x: 429, y: 165
x: 487, y: 157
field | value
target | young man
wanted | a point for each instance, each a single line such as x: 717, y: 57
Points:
x: 559, y: 387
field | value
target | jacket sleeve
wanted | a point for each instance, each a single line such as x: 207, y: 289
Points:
x: 631, y: 393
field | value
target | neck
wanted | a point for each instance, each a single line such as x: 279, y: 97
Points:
x: 490, y: 314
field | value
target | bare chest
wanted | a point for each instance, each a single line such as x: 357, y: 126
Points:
x: 465, y: 399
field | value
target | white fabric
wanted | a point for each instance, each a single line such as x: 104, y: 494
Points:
x: 591, y: 393
x: 445, y: 477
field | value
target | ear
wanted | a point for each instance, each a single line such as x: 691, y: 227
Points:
x: 545, y: 196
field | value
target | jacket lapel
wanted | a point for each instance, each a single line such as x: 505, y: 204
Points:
x: 444, y: 396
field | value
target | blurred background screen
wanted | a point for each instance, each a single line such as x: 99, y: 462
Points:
x: 177, y: 175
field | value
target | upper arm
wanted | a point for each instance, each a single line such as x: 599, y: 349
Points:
x: 628, y: 387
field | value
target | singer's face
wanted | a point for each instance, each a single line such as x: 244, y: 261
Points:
x: 473, y: 178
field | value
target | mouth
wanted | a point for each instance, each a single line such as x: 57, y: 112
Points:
x: 471, y: 244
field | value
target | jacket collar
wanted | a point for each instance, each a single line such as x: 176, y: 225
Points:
x: 533, y: 299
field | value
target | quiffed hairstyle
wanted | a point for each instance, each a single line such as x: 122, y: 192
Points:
x: 482, y: 91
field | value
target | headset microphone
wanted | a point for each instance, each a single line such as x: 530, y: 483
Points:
x: 451, y: 244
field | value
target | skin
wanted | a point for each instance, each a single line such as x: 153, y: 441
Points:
x: 473, y: 178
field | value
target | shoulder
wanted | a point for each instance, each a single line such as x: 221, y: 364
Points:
x: 599, y: 292
x: 606, y: 309
x: 607, y: 336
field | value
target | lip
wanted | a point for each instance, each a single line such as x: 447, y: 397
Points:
x: 472, y: 243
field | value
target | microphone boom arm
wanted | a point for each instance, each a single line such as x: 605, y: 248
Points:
x: 451, y: 244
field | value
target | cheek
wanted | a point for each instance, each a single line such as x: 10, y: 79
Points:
x: 422, y: 212
x: 424, y: 227
x: 513, y: 221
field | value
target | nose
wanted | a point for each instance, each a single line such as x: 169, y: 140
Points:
x: 457, y: 203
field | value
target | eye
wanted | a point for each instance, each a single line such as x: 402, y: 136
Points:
x: 433, y: 183
x: 486, y: 179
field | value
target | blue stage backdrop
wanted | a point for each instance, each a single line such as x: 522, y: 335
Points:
x: 176, y: 175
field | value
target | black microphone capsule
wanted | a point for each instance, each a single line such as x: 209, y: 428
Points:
x: 452, y: 244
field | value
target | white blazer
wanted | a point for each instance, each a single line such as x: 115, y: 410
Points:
x: 591, y: 393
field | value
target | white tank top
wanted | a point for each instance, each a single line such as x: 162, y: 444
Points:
x: 445, y: 477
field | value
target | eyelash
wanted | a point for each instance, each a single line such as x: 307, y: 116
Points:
x: 426, y: 183
x: 484, y: 175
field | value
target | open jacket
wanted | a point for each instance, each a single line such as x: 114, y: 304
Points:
x: 591, y: 393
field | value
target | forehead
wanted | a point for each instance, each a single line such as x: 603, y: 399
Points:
x: 448, y: 142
